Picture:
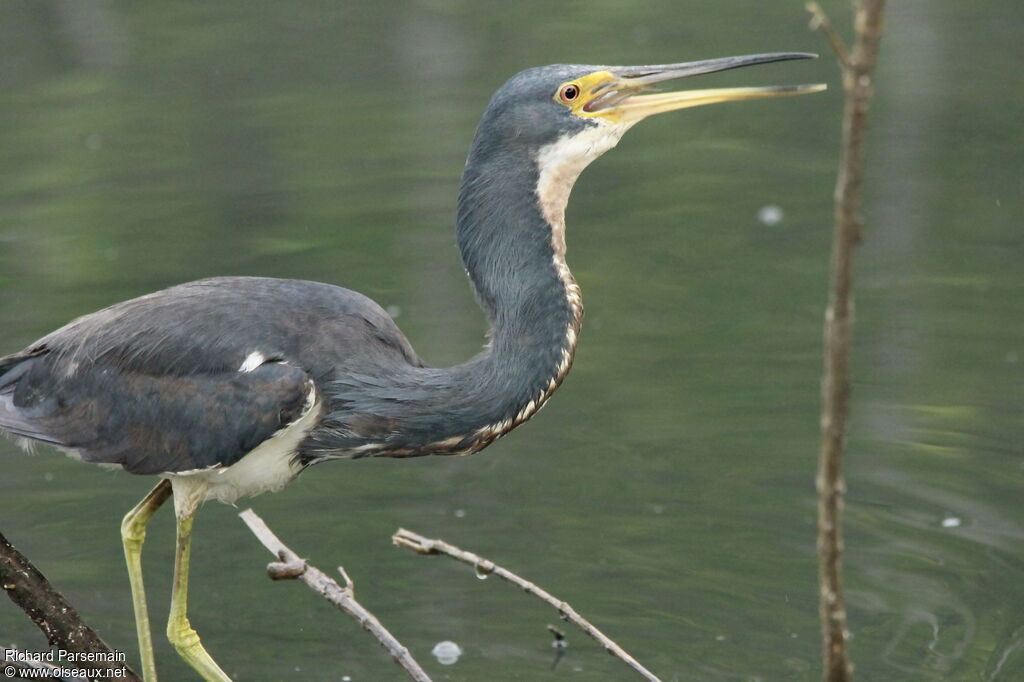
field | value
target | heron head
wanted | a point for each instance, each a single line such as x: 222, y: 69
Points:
x: 562, y: 117
x: 582, y: 111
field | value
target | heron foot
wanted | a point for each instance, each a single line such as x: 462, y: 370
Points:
x: 179, y: 630
x: 188, y: 645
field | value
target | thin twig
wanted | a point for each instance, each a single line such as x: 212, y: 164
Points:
x: 291, y: 566
x: 857, y: 70
x: 50, y: 611
x: 819, y: 21
x: 422, y: 545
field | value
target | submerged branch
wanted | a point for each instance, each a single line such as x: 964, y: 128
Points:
x: 422, y: 545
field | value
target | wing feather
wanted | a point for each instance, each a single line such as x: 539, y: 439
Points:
x: 151, y: 424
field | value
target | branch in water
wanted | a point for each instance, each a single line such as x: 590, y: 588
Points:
x: 290, y: 567
x: 421, y: 545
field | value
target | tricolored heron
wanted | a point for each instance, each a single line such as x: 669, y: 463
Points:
x: 230, y: 387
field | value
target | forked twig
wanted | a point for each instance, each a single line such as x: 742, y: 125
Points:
x: 820, y: 22
x: 422, y: 545
x: 291, y: 566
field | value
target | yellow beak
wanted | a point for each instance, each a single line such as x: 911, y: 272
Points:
x: 614, y: 93
x: 639, y: 107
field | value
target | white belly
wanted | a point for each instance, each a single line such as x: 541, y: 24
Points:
x: 267, y: 468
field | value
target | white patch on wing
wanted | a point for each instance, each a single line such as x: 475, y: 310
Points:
x: 252, y: 361
x: 268, y: 467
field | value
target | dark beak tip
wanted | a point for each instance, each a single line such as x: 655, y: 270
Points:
x: 799, y: 55
x: 655, y: 73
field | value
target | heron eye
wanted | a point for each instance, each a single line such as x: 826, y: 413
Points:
x: 569, y: 92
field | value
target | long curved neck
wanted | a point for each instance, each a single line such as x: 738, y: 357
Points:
x: 511, y: 237
x: 515, y: 257
x: 510, y: 233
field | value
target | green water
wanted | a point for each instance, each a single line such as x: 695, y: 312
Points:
x: 667, y: 490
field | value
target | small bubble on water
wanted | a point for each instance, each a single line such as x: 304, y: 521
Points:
x: 93, y: 142
x: 446, y: 652
x: 1012, y: 357
x: 460, y: 513
x: 951, y: 522
x: 394, y: 310
x: 719, y: 638
x: 346, y: 678
x: 770, y: 215
x: 48, y: 477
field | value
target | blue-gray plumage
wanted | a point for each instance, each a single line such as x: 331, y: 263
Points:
x: 230, y: 386
x: 153, y: 384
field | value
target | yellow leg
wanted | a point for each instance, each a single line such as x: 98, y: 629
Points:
x: 179, y: 630
x: 133, y: 534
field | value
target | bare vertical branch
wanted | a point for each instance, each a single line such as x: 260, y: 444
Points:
x: 51, y: 612
x: 857, y: 70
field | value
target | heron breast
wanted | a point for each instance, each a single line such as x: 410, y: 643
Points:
x: 268, y: 467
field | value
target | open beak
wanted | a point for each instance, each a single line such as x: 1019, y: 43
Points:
x: 615, y: 93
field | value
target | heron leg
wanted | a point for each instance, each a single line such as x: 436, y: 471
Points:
x: 179, y: 630
x: 133, y: 534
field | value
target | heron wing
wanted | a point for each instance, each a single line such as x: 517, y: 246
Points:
x: 156, y: 383
x: 148, y: 423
